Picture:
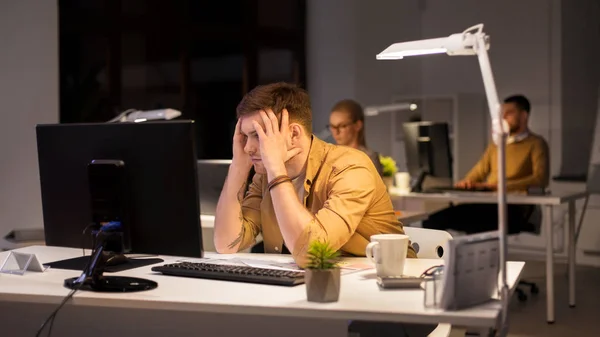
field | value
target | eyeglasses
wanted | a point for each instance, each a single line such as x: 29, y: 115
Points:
x: 338, y: 127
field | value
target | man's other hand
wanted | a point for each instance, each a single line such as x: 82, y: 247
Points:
x: 489, y: 186
x: 464, y: 184
x: 240, y: 157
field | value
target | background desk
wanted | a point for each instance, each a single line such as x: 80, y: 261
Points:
x: 547, y: 202
x: 200, y: 307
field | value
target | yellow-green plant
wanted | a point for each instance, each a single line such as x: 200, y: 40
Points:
x: 389, y: 166
x: 322, y: 256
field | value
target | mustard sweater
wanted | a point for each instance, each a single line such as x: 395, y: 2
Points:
x: 527, y: 165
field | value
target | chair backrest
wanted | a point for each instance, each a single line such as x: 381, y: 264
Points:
x: 428, y: 243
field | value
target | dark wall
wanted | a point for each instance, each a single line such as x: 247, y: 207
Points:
x: 199, y: 57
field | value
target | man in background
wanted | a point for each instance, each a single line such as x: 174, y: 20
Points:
x: 527, y: 166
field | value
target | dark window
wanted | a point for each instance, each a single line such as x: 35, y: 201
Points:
x: 199, y: 57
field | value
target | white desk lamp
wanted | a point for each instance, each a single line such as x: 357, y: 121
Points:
x: 473, y: 41
x: 138, y: 116
x: 376, y: 110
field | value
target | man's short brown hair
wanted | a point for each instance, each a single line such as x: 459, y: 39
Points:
x: 279, y: 96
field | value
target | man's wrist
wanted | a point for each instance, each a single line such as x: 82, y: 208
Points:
x: 237, y: 170
x: 275, y: 171
x: 240, y: 166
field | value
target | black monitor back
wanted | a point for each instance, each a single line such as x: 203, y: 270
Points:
x: 161, y: 173
x: 427, y: 148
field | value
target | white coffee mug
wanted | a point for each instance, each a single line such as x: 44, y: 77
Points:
x: 388, y: 253
x: 402, y: 181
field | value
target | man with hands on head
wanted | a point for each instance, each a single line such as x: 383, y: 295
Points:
x: 527, y: 154
x: 304, y: 189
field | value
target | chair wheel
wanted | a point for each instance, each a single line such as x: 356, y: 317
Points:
x: 534, y: 289
x: 522, y: 297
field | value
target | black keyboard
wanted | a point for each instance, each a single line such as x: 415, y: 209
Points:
x: 232, y: 273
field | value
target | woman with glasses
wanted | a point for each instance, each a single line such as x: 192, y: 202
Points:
x: 347, y: 125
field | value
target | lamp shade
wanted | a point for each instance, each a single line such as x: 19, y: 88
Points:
x: 376, y: 110
x: 455, y: 44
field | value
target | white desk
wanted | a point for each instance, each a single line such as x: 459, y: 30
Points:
x: 547, y: 202
x: 226, y: 302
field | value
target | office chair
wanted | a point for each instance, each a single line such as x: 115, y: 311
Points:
x: 428, y: 243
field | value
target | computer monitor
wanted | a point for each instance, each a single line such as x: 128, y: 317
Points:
x: 211, y: 178
x: 160, y: 170
x: 428, y: 152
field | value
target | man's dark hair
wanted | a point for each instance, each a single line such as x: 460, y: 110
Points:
x: 520, y: 101
x: 279, y: 96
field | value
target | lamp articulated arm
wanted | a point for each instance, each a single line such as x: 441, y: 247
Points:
x: 499, y: 133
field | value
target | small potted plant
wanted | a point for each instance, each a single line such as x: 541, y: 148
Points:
x: 322, y: 274
x: 389, y: 169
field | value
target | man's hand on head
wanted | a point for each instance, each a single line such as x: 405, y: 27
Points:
x: 240, y: 157
x: 274, y: 142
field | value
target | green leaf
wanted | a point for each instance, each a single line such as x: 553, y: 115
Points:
x: 389, y: 165
x: 322, y: 256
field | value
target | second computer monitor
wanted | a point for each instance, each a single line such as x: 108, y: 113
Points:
x: 211, y: 178
x: 427, y: 147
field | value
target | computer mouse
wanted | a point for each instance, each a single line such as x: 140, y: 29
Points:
x: 116, y: 259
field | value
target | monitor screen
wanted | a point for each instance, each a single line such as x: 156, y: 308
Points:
x: 427, y: 148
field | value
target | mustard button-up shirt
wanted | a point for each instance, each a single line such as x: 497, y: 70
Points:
x: 346, y: 195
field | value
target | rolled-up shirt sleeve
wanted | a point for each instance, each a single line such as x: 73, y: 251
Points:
x: 250, y: 213
x: 350, y: 192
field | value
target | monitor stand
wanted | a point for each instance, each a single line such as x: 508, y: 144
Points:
x: 417, y: 184
x: 93, y: 279
x: 114, y: 259
x: 118, y: 284
x: 113, y: 265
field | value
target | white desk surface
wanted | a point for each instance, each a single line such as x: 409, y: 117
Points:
x: 360, y: 297
x: 492, y: 197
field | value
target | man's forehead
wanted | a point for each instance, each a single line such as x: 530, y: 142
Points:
x: 510, y: 106
x: 246, y: 122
